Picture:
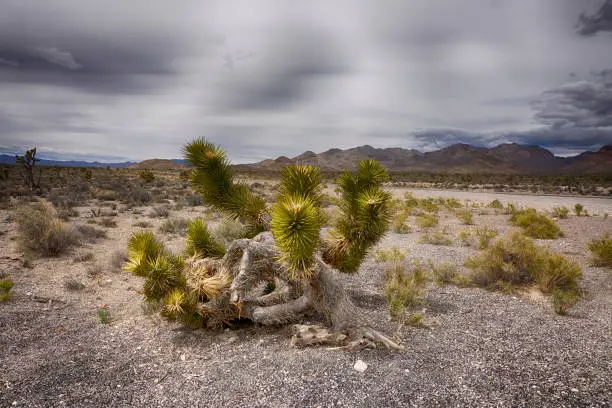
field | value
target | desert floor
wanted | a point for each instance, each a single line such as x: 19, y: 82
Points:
x: 478, y: 348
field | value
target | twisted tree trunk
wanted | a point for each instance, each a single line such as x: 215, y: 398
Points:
x: 250, y: 262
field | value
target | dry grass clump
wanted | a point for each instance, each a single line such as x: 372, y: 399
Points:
x: 399, y: 225
x: 517, y: 260
x: 443, y: 273
x: 465, y: 217
x: 108, y: 222
x: 89, y: 233
x: 228, y: 230
x: 427, y: 220
x: 601, y: 250
x: 484, y: 236
x: 403, y: 287
x: 536, y: 225
x: 83, y: 256
x: 142, y: 224
x: 41, y: 232
x: 117, y: 259
x: 176, y: 226
x: 560, y: 212
x: 160, y: 211
x: 6, y: 285
x: 73, y: 285
x: 438, y: 237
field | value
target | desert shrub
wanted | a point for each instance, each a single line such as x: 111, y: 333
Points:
x: 536, y: 225
x: 452, y: 203
x: 465, y: 217
x: 465, y: 237
x: 41, y: 232
x: 560, y: 212
x: 227, y: 230
x: 174, y: 226
x: 95, y: 270
x: 6, y: 285
x: 601, y: 250
x: 387, y: 255
x: 104, y: 314
x: 108, y: 222
x: 89, y: 233
x: 138, y: 196
x: 496, y: 204
x: 73, y: 284
x: 194, y: 200
x: 83, y: 256
x: 117, y: 259
x: 415, y: 320
x: 578, y: 209
x: 429, y: 205
x: 510, y: 208
x: 516, y: 260
x: 160, y: 211
x: 563, y: 300
x: 398, y: 223
x: 484, y: 236
x: 442, y: 273
x: 403, y: 287
x: 142, y: 224
x: 437, y: 237
x: 64, y: 212
x: 147, y: 176
x: 427, y: 220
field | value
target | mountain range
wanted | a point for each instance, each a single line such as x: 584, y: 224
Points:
x: 509, y: 158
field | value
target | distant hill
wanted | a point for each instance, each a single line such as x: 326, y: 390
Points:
x: 509, y: 158
x: 10, y: 159
x: 158, y: 164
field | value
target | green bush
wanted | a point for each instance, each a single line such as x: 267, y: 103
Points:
x: 484, y: 236
x: 427, y: 220
x: 560, y: 212
x: 398, y: 223
x: 443, y: 272
x: 465, y: 217
x: 517, y: 260
x: 435, y: 238
x: 403, y: 287
x: 465, y: 237
x: 147, y: 176
x: 6, y: 284
x: 578, y: 209
x: 536, y: 225
x: 601, y: 250
x: 176, y: 226
x: 496, y: 204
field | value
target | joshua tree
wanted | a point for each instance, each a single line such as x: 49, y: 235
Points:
x: 28, y: 161
x: 285, y: 268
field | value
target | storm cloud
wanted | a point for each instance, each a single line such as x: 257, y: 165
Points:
x: 138, y: 79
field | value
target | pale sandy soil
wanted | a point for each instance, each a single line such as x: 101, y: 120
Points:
x: 478, y: 348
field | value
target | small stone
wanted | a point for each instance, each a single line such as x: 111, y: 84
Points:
x: 360, y: 366
x: 574, y: 390
x: 182, y: 357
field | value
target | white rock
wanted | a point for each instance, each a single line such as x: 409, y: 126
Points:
x: 360, y: 366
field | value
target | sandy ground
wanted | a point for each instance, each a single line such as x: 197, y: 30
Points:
x: 478, y: 348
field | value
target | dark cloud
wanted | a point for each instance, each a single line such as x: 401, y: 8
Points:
x: 285, y: 73
x: 601, y: 20
x: 584, y: 104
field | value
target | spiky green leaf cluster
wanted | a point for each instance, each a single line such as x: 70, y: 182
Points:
x: 365, y: 217
x: 148, y: 258
x: 296, y: 218
x: 200, y: 241
x: 213, y: 179
x: 143, y: 249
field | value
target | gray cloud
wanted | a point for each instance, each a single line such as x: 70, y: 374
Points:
x: 601, y: 20
x: 581, y: 103
x: 138, y: 79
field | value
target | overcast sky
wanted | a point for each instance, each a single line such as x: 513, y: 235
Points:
x: 137, y: 79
